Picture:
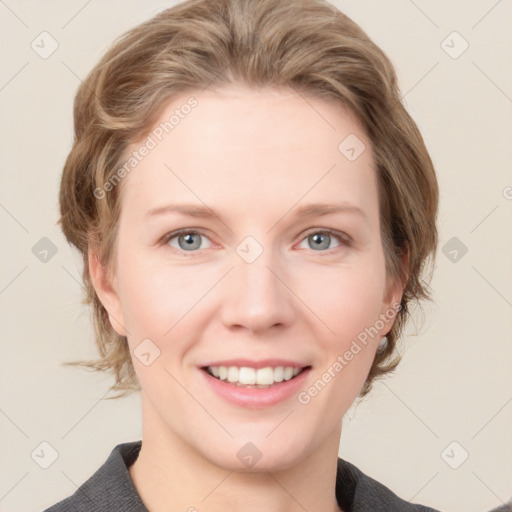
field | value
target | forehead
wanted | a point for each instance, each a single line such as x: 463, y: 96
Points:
x: 246, y: 144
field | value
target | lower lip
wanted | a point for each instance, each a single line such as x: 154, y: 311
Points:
x: 256, y: 397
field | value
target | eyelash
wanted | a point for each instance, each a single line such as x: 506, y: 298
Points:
x: 344, y: 240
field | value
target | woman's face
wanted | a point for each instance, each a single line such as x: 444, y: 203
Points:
x: 256, y: 281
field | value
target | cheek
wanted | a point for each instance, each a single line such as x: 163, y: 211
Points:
x: 349, y: 304
x: 156, y: 297
x: 347, y: 300
x: 158, y: 304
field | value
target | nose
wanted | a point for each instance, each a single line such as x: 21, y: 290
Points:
x: 257, y: 297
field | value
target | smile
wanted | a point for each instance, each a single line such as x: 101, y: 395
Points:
x: 252, y: 377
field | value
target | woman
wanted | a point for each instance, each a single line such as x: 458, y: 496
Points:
x: 255, y: 210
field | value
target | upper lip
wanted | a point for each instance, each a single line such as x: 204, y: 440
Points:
x: 262, y: 363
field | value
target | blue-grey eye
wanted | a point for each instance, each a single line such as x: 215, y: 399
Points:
x: 320, y: 240
x: 189, y: 241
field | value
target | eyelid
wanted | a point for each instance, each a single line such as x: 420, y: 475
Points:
x: 341, y: 236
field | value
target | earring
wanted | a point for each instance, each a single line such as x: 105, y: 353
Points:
x: 382, y: 343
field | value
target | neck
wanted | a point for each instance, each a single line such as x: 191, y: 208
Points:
x: 170, y: 474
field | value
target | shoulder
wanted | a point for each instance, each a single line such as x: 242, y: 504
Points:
x: 358, y: 492
x: 109, y: 488
x: 506, y: 507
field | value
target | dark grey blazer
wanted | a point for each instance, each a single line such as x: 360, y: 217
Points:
x: 111, y: 489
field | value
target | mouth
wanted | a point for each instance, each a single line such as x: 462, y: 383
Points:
x: 248, y: 377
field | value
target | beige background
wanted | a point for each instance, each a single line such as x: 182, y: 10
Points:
x: 454, y: 383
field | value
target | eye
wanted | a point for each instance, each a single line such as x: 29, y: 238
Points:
x: 191, y: 240
x: 186, y: 239
x: 320, y: 239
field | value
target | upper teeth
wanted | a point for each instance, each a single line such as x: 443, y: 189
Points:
x: 246, y: 376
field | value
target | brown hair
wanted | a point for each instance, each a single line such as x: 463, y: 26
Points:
x: 309, y: 46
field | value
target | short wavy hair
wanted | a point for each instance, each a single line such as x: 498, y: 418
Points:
x: 309, y: 46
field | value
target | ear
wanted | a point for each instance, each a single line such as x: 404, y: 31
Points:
x: 104, y: 285
x: 394, y: 292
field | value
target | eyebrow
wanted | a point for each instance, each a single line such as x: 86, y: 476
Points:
x: 304, y: 211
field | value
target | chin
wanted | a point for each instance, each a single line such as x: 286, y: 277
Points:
x: 258, y: 456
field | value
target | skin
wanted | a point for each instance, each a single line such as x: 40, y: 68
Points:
x: 253, y: 156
